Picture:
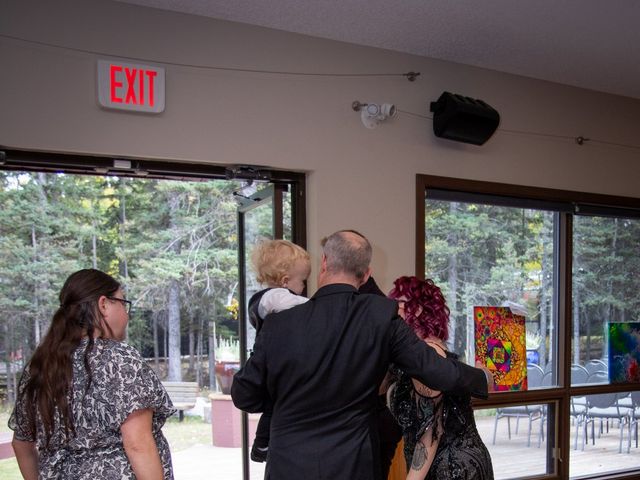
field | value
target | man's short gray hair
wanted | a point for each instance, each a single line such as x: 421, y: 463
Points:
x: 347, y: 251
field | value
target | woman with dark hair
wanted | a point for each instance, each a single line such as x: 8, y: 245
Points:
x: 440, y: 436
x: 88, y: 406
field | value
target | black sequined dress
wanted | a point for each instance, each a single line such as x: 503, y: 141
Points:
x: 461, y: 454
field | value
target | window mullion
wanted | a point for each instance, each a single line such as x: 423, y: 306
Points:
x: 563, y: 295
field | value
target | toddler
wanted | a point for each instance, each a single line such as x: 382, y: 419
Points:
x: 283, y: 267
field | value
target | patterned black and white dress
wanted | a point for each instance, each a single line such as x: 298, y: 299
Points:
x: 122, y: 383
x: 461, y: 453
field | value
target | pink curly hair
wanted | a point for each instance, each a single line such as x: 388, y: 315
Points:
x: 425, y: 308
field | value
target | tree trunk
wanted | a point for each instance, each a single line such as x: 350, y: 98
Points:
x: 122, y: 259
x: 36, y: 297
x: 156, y: 353
x: 452, y: 301
x: 192, y: 345
x: 587, y: 353
x: 165, y: 344
x: 94, y: 245
x: 212, y: 352
x: 459, y: 333
x: 7, y: 360
x: 41, y: 283
x: 546, y: 299
x: 544, y: 311
x: 175, y: 371
x: 609, y: 315
x: 576, y: 324
x: 199, y: 348
x: 123, y: 267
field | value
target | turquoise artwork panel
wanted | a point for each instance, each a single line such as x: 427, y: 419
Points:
x: 624, y: 352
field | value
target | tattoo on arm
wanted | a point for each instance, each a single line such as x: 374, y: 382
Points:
x: 419, y: 456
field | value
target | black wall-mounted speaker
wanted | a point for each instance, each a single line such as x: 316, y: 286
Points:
x: 463, y: 119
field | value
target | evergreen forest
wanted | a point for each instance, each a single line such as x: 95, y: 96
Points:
x: 172, y: 244
x: 502, y: 256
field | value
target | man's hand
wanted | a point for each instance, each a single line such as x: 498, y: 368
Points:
x: 488, y: 374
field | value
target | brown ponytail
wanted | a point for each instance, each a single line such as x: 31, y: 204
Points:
x: 50, y: 368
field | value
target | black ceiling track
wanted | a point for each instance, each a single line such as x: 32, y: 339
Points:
x: 11, y: 159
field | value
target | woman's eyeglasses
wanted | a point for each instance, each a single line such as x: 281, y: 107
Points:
x: 126, y: 303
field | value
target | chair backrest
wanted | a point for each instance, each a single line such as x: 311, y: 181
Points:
x: 534, y: 375
x: 635, y: 399
x: 598, y: 377
x: 547, y: 379
x: 601, y: 400
x: 594, y: 366
x: 579, y: 374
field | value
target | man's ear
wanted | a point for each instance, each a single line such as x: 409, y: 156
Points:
x: 366, y: 276
x: 323, y: 263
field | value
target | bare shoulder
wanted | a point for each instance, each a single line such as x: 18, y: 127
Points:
x: 437, y: 344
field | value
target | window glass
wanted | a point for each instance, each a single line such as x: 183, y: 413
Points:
x: 604, y: 433
x: 523, y: 431
x: 488, y: 255
x: 496, y: 250
x: 605, y: 286
x: 287, y: 219
x: 174, y: 245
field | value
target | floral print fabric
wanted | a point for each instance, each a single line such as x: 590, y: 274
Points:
x: 121, y: 384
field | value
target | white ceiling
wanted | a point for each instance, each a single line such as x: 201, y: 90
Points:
x: 593, y: 44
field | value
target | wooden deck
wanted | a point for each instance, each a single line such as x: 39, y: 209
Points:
x: 512, y: 458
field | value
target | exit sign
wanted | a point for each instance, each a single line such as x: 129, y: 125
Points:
x: 130, y: 86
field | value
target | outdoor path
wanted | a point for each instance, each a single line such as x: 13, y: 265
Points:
x: 206, y: 462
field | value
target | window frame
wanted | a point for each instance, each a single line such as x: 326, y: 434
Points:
x: 567, y: 204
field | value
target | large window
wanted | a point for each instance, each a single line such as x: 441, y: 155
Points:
x: 568, y: 263
x: 606, y: 283
x: 483, y: 254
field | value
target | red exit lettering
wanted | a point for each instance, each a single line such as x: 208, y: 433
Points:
x: 129, y: 85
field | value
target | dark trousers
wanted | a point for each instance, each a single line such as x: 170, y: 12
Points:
x: 389, y: 431
x: 390, y: 434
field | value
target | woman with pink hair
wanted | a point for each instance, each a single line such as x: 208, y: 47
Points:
x: 441, y: 440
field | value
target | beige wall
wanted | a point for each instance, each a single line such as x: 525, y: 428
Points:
x: 357, y: 178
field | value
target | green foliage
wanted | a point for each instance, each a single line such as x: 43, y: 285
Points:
x: 147, y: 233
x: 490, y: 255
x: 484, y: 255
x: 606, y: 268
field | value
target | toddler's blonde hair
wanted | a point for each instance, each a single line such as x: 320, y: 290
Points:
x: 273, y: 259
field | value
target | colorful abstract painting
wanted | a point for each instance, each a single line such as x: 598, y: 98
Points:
x: 500, y: 345
x: 624, y: 352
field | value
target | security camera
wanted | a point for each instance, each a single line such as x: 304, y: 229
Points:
x: 388, y: 110
x: 374, y: 113
x: 381, y: 112
x: 372, y: 109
